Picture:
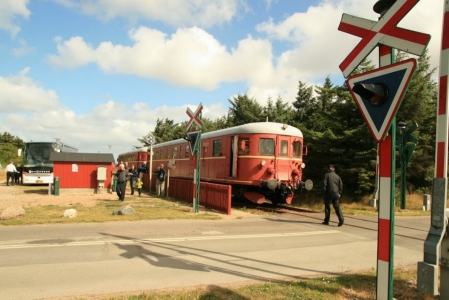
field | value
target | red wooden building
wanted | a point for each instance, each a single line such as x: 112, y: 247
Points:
x: 79, y: 170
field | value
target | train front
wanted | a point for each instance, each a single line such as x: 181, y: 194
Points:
x: 276, y: 171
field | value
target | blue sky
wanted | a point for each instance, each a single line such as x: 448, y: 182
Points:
x: 96, y: 73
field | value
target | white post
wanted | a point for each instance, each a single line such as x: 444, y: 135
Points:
x: 150, y: 168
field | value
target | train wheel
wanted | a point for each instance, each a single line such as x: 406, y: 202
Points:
x: 289, y: 198
x: 255, y: 197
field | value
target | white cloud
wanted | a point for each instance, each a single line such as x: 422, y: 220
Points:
x: 318, y: 46
x: 24, y: 49
x: 176, y: 13
x: 21, y: 93
x: 31, y: 112
x: 189, y: 58
x: 9, y: 10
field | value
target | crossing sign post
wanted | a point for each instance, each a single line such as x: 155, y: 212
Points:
x: 378, y: 98
x: 194, y: 138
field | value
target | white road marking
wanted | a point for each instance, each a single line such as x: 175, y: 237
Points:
x: 166, y: 240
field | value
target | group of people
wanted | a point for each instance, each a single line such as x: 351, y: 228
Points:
x: 332, y: 187
x: 135, y: 180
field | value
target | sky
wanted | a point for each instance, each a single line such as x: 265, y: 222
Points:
x: 97, y: 74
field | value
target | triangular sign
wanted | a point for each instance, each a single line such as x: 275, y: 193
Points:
x: 395, y: 78
x: 193, y: 138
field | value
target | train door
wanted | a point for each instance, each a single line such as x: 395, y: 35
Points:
x: 283, y: 166
x: 233, y: 156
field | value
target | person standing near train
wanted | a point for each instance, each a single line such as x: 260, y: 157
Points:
x: 160, y: 181
x: 122, y: 178
x: 332, y: 188
x: 133, y: 174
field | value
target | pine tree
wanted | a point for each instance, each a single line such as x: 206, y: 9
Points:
x: 244, y: 110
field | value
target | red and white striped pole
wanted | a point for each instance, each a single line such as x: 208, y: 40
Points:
x: 436, y: 245
x: 195, y: 158
x: 442, y: 122
x: 387, y: 166
x: 441, y: 157
x: 373, y: 201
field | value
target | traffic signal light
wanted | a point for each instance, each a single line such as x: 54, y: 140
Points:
x: 376, y: 93
x: 408, y: 134
x: 192, y: 137
x: 382, y: 6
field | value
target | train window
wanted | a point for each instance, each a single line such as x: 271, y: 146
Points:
x: 266, y: 146
x: 284, y: 148
x: 175, y: 152
x: 297, y: 149
x: 187, y: 150
x: 217, y: 148
x: 243, y: 146
x: 161, y: 154
x: 169, y: 153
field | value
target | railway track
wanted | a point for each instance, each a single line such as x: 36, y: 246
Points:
x: 307, y: 213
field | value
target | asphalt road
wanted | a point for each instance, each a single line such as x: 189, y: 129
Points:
x: 51, y: 261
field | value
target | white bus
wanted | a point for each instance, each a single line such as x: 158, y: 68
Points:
x: 36, y: 166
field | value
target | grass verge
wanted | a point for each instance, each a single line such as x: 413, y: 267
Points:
x: 361, y: 286
x: 145, y: 209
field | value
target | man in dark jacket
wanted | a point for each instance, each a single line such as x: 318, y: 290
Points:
x: 332, y: 188
x: 122, y: 178
x: 160, y: 181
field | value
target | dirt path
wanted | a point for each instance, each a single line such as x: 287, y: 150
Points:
x: 35, y: 195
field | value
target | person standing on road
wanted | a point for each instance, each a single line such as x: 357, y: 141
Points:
x: 133, y: 174
x: 332, y: 188
x: 10, y: 173
x: 160, y: 181
x: 122, y: 178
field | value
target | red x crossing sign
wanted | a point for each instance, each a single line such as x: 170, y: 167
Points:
x: 194, y: 117
x: 382, y: 32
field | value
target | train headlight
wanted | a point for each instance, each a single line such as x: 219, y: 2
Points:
x: 303, y: 165
x: 272, y: 184
x: 263, y: 163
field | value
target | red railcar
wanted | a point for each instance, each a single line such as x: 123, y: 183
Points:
x: 135, y: 157
x: 260, y: 160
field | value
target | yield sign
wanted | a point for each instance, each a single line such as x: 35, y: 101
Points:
x: 395, y: 78
x: 194, y: 117
x: 382, y: 32
x: 193, y: 138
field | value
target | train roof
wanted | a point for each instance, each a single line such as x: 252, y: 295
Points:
x: 257, y: 127
x: 142, y: 149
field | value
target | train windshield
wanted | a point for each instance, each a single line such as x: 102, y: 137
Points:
x: 266, y: 146
x: 38, y: 154
x: 284, y: 148
x: 297, y: 149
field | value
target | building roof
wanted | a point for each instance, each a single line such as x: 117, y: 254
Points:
x: 82, y: 157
